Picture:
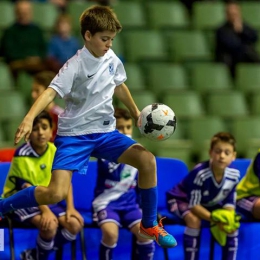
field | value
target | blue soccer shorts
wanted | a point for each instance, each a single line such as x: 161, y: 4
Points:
x: 73, y: 152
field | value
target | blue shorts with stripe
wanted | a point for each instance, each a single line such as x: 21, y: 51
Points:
x: 127, y: 217
x: 245, y: 206
x: 73, y: 152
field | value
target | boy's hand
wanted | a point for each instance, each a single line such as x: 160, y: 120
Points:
x: 24, y: 130
x: 46, y: 218
x: 136, y: 117
x: 74, y: 213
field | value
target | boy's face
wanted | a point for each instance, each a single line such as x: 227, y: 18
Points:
x: 41, y: 134
x: 99, y: 43
x: 124, y: 126
x: 221, y: 155
x: 37, y: 90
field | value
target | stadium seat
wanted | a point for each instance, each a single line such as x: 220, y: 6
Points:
x: 130, y: 14
x: 75, y: 9
x: 185, y: 104
x: 163, y: 77
x: 175, y: 149
x: 241, y: 164
x: 167, y: 15
x: 11, y: 105
x: 135, y: 76
x: 227, y: 104
x: 250, y: 12
x: 209, y: 77
x: 24, y: 86
x: 6, y: 82
x: 188, y: 46
x: 248, y: 77
x: 6, y: 14
x: 6, y: 155
x: 245, y: 130
x: 255, y: 104
x: 117, y: 47
x: 144, y: 45
x: 10, y: 127
x: 45, y: 15
x: 202, y: 129
x: 143, y: 98
x: 208, y: 15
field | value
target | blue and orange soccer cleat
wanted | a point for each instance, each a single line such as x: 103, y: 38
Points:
x: 159, y: 234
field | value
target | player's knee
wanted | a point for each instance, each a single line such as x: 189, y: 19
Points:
x: 110, y: 237
x: 51, y: 230
x: 146, y: 161
x: 74, y: 226
x: 56, y: 195
x: 192, y: 221
x: 149, y: 162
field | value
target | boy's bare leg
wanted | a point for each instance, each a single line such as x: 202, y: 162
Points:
x: 34, y: 196
x: 140, y: 158
x: 57, y: 190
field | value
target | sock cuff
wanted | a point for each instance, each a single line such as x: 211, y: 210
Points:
x: 67, y: 235
x: 194, y: 232
x: 31, y: 191
x: 113, y: 246
x: 144, y: 243
x: 44, y: 244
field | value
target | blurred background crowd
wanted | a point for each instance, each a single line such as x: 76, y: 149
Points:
x: 201, y: 58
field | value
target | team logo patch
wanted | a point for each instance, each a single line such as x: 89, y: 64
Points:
x: 226, y: 192
x: 42, y: 166
x: 102, y: 214
x: 111, y: 68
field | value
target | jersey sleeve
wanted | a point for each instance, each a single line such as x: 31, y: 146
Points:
x: 230, y: 200
x: 256, y: 165
x: 63, y: 82
x: 194, y: 189
x: 120, y: 75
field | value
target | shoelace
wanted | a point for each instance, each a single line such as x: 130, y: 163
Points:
x: 159, y: 228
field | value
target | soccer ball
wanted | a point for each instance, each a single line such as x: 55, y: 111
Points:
x: 157, y: 122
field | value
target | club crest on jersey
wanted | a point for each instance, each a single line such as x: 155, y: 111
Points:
x: 111, y: 68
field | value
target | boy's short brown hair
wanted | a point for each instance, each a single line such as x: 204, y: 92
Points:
x: 223, y: 137
x: 122, y: 113
x: 98, y: 19
x: 43, y: 115
x: 44, y: 78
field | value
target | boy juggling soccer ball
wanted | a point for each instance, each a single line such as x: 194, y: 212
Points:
x: 87, y: 82
x: 115, y: 201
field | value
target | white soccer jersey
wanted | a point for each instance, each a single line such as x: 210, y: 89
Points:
x: 87, y: 85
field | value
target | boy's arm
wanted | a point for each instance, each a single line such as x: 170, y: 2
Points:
x: 123, y: 94
x: 201, y: 212
x: 71, y: 211
x: 69, y: 199
x: 25, y: 128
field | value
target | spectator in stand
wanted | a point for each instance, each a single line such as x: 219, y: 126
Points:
x: 235, y: 40
x: 40, y: 82
x: 62, y: 45
x: 22, y: 44
x: 61, y: 4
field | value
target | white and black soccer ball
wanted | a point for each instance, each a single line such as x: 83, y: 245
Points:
x: 157, y: 122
